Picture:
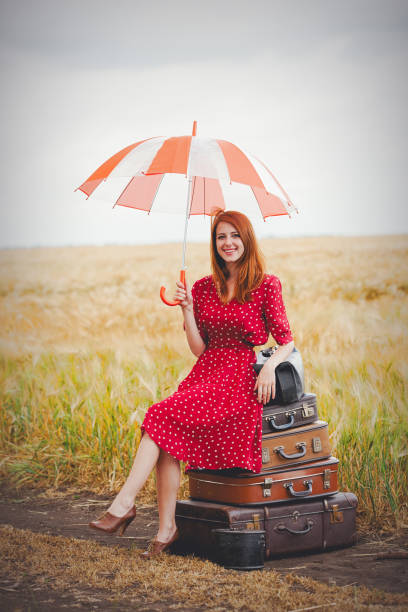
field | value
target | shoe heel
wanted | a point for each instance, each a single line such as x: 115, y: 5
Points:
x: 125, y: 525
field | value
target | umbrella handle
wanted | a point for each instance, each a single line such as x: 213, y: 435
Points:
x: 163, y: 290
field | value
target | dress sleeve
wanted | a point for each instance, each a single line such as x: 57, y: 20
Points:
x: 196, y: 292
x: 275, y: 313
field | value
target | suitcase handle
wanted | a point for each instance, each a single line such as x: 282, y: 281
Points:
x: 273, y: 425
x: 281, y: 452
x: 307, y: 483
x: 307, y: 529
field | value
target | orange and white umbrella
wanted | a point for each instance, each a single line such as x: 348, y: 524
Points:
x: 207, y: 163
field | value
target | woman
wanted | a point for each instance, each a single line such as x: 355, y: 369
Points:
x: 214, y: 419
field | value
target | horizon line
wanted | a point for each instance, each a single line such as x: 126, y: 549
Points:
x: 270, y: 237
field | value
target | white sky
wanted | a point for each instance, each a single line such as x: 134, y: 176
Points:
x: 315, y: 88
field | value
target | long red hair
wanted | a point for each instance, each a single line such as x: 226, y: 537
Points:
x: 251, y: 265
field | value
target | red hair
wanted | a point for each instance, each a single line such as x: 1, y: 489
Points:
x: 251, y: 265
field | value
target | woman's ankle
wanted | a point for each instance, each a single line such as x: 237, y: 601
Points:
x: 121, y: 505
x: 165, y: 533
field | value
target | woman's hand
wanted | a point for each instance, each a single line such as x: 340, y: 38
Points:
x: 183, y: 295
x: 266, y: 383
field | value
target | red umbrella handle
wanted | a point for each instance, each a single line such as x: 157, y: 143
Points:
x: 163, y: 290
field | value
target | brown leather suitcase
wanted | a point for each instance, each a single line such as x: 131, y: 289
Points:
x: 280, y: 418
x: 315, y: 479
x: 295, y: 446
x: 309, y: 525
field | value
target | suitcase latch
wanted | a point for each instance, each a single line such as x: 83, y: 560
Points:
x: 256, y: 522
x: 336, y: 516
x: 307, y: 411
x: 266, y: 457
x: 326, y: 479
x: 267, y: 484
x: 316, y: 445
x: 295, y: 516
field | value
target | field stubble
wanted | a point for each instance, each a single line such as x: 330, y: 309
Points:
x: 87, y: 346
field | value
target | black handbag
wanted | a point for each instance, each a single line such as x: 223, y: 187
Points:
x: 289, y: 376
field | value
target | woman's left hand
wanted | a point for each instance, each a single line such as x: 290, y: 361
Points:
x: 265, y: 385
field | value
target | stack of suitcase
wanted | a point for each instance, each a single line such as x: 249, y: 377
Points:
x: 294, y: 499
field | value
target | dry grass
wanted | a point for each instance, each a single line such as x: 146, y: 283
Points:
x: 87, y: 346
x: 59, y: 563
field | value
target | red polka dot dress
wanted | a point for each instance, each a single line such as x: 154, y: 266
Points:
x: 214, y: 420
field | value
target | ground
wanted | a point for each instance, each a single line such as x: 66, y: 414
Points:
x: 376, y: 561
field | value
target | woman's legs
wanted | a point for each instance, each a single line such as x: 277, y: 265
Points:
x: 146, y: 458
x: 168, y: 482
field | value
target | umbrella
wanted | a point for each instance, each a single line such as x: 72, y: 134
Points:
x: 207, y: 163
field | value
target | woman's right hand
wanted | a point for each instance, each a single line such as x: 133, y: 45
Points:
x: 184, y: 296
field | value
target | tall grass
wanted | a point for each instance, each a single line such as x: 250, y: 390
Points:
x: 87, y: 346
x: 74, y: 419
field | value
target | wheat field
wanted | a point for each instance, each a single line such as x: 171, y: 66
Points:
x: 87, y: 346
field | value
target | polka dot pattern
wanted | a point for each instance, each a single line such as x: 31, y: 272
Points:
x: 213, y: 420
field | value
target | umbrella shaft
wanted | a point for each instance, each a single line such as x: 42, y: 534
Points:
x: 183, y: 266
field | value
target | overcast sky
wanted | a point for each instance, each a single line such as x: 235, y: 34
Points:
x: 315, y: 88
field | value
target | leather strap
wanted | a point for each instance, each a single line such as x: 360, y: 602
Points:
x: 267, y: 528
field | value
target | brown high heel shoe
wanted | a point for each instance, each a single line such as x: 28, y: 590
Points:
x: 109, y: 523
x: 155, y: 547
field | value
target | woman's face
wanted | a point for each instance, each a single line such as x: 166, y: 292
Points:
x: 228, y: 241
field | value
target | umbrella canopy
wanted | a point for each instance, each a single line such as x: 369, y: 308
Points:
x: 207, y: 163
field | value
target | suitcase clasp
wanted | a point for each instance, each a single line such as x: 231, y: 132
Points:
x: 316, y: 445
x: 266, y: 457
x: 296, y: 516
x: 307, y: 411
x: 326, y: 479
x: 267, y: 484
x: 336, y: 516
x: 256, y: 522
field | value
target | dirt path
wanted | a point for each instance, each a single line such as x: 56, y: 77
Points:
x: 370, y: 562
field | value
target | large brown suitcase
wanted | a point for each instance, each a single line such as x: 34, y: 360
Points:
x: 280, y: 418
x: 315, y: 479
x: 309, y: 525
x: 295, y: 446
